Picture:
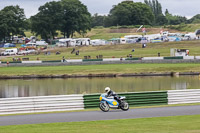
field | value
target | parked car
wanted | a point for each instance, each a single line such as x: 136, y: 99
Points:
x: 26, y: 52
x: 7, y: 45
x: 10, y: 52
x: 41, y: 43
x: 1, y: 45
x: 30, y: 45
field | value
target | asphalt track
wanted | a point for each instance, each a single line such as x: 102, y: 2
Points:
x: 99, y: 115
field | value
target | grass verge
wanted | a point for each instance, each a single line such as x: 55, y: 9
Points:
x: 175, y: 124
x: 100, y: 69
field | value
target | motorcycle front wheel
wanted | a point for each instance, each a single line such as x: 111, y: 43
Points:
x: 104, y: 107
x: 124, y: 106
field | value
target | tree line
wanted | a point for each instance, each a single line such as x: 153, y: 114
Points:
x: 136, y: 13
x: 70, y: 16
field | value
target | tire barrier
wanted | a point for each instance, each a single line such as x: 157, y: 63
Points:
x: 51, y: 61
x: 184, y: 96
x: 176, y: 59
x: 171, y: 58
x: 146, y: 98
x: 80, y: 102
x: 92, y: 60
x: 91, y: 101
x: 41, y: 104
x: 111, y: 59
x: 134, y: 99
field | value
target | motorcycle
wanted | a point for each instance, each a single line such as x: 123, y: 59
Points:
x: 109, y: 102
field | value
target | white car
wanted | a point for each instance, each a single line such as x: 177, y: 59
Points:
x: 26, y: 52
x: 41, y: 43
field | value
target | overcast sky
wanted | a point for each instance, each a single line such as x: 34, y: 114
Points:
x: 187, y: 8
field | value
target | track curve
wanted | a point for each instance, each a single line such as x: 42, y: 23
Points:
x: 99, y: 115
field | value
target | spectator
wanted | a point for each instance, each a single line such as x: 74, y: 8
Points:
x: 143, y: 45
x: 63, y: 58
x: 58, y: 52
x: 77, y: 52
x: 73, y: 50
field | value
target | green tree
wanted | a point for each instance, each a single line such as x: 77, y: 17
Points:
x: 97, y: 20
x: 131, y: 13
x: 108, y: 21
x: 157, y: 11
x: 75, y: 18
x: 195, y: 19
x: 47, y: 21
x: 67, y: 16
x: 12, y: 22
x: 174, y: 20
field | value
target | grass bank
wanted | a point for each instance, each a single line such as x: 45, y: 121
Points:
x: 176, y: 124
x: 100, y: 69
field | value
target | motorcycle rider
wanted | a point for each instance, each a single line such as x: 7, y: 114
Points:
x: 112, y: 93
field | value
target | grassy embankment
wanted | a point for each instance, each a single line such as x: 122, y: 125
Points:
x: 176, y: 124
x: 100, y: 69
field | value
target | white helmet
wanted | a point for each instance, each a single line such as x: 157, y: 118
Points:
x: 107, y: 89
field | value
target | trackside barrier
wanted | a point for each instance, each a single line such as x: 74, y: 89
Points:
x: 152, y: 58
x: 197, y: 57
x: 188, y: 57
x: 80, y: 102
x: 133, y: 59
x: 92, y: 60
x: 77, y: 60
x: 5, y: 62
x: 41, y: 104
x: 31, y: 61
x: 112, y: 59
x: 184, y: 96
x: 175, y: 57
x: 134, y: 99
x: 185, y: 58
x: 51, y: 61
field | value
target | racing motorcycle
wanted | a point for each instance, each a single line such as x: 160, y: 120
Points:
x: 109, y: 102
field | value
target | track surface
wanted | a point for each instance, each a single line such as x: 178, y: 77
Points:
x: 99, y: 115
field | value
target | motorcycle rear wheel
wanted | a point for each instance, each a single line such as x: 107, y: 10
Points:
x: 104, y: 107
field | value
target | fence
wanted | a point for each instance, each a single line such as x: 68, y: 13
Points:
x: 41, y: 104
x: 177, y: 59
x: 134, y: 99
x: 184, y: 96
x: 80, y: 102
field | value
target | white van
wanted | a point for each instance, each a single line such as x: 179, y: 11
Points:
x: 84, y: 41
x: 67, y: 42
x: 122, y: 40
x: 10, y: 51
x: 190, y: 36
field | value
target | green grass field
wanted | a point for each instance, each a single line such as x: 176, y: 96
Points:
x: 100, y: 69
x: 176, y: 124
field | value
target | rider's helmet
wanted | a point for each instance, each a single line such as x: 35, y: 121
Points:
x: 107, y: 89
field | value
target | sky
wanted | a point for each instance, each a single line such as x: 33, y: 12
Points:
x: 187, y: 8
